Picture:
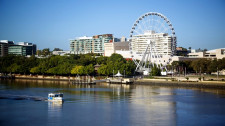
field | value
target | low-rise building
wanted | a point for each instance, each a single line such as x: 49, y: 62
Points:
x: 62, y: 53
x: 214, y: 54
x: 4, y: 45
x: 22, y: 48
x: 109, y: 49
x: 121, y: 48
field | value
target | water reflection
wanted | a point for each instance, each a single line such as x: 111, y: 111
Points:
x: 153, y: 104
x: 54, y: 112
x: 115, y: 104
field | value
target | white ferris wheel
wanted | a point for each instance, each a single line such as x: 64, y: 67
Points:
x: 152, y: 38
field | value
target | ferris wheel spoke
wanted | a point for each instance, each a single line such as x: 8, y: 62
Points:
x: 158, y: 25
x: 161, y: 26
x: 145, y: 22
x: 166, y: 29
x: 141, y: 28
x: 137, y: 32
x: 148, y: 23
x: 153, y: 53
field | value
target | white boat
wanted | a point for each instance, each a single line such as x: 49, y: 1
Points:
x: 55, y: 96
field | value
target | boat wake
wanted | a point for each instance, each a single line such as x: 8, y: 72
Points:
x: 22, y: 97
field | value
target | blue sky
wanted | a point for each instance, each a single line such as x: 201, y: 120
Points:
x: 52, y: 23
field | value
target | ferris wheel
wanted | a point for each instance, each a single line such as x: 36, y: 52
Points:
x: 152, y: 41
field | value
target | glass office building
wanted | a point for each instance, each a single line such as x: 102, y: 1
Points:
x: 23, y: 48
x: 4, y: 45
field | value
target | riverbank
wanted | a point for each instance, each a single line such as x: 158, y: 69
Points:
x: 169, y: 83
x: 48, y: 77
x: 141, y: 81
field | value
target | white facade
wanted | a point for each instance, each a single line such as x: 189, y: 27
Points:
x: 162, y: 42
x: 121, y: 48
x: 24, y: 43
x: 216, y: 53
x: 124, y: 53
x: 7, y: 41
x: 62, y: 53
x: 109, y: 49
x: 123, y: 39
x: 160, y: 48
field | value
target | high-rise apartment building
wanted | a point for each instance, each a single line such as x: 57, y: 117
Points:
x: 95, y: 44
x: 161, y: 46
x: 81, y: 45
x: 162, y: 43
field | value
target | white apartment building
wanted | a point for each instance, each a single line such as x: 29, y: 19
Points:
x: 162, y: 41
x: 162, y: 46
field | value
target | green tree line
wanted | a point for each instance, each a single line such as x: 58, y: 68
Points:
x: 82, y: 64
x: 198, y: 66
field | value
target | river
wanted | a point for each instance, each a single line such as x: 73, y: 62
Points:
x: 108, y: 105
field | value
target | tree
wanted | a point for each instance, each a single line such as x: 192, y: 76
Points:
x: 89, y: 69
x: 39, y: 52
x: 156, y: 71
x: 116, y: 58
x: 86, y: 59
x: 57, y: 49
x: 78, y: 70
x: 103, y: 70
x: 129, y: 67
x: 223, y: 63
x: 201, y: 65
x: 101, y: 60
x: 76, y: 64
x: 13, y: 68
x: 64, y: 68
x: 35, y: 70
x: 45, y: 52
x: 175, y: 65
x: 212, y: 66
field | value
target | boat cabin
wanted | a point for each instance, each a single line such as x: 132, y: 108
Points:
x: 55, y: 96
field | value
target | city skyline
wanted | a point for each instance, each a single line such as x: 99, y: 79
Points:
x: 51, y: 24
